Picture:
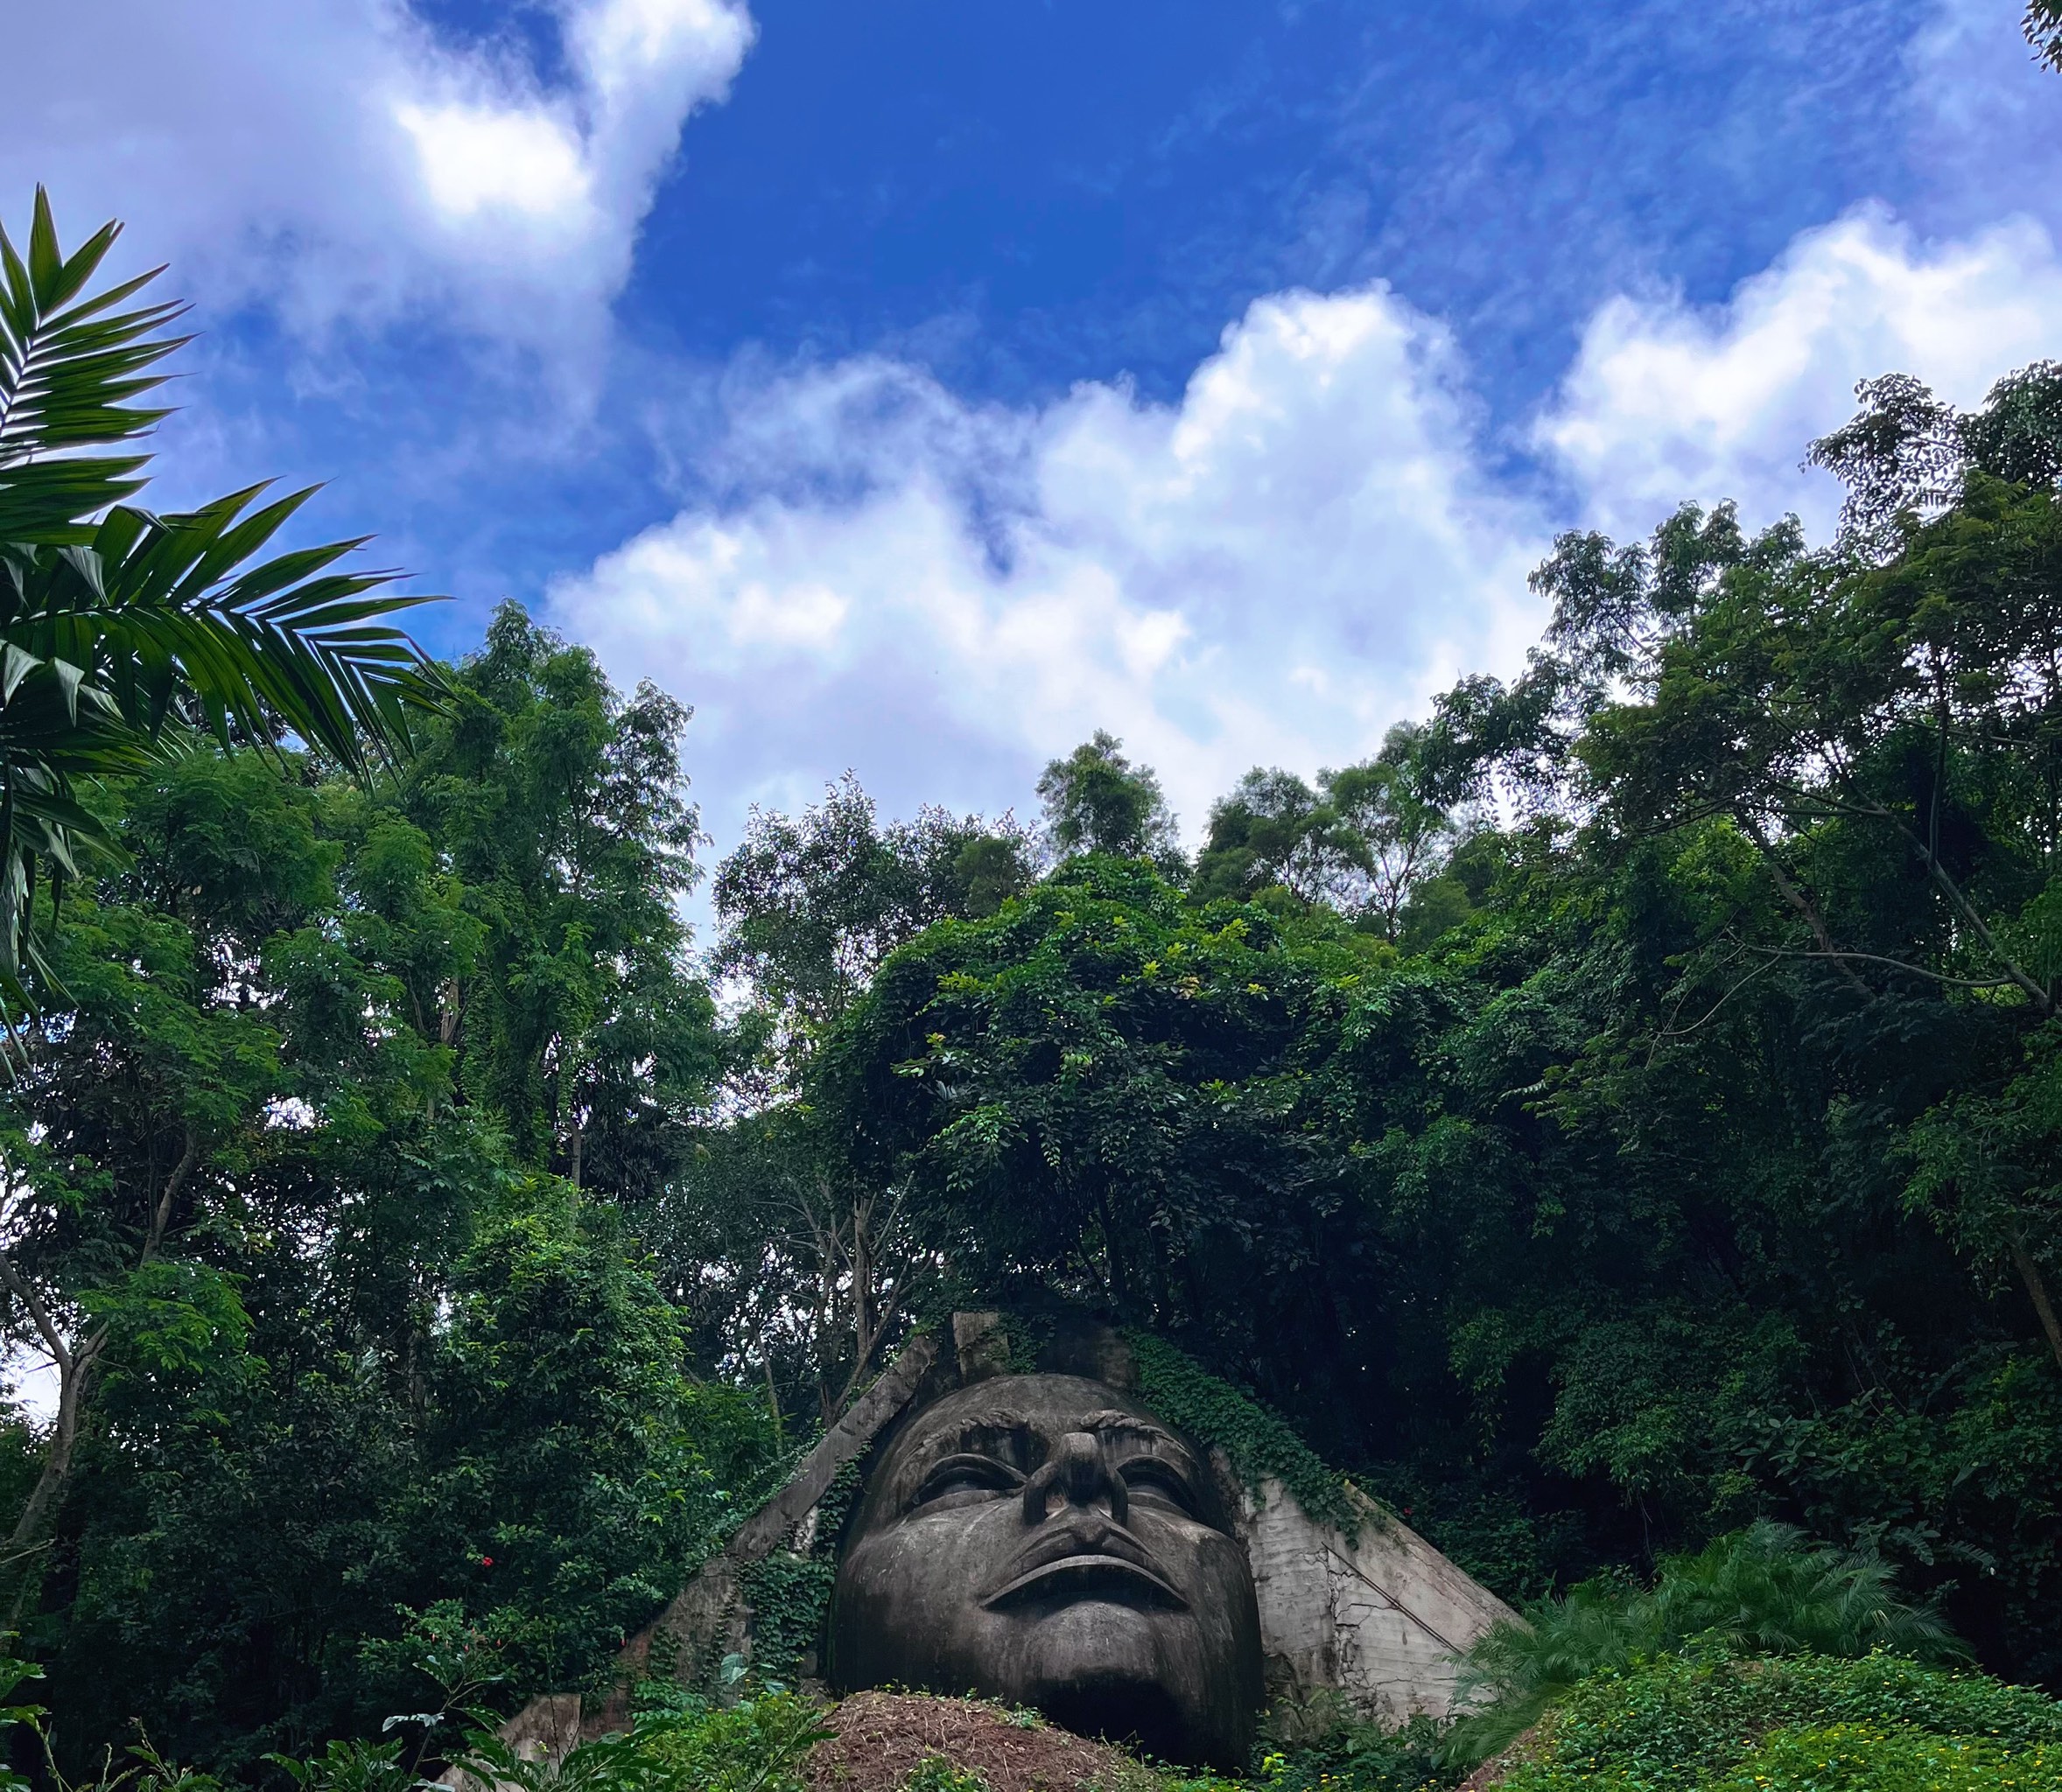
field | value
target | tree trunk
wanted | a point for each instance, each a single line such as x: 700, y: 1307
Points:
x: 75, y: 1372
x: 2036, y: 1289
x: 75, y: 1367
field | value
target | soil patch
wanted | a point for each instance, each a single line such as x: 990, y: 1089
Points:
x: 883, y: 1737
x: 1493, y: 1772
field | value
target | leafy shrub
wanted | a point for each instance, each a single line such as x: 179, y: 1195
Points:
x: 1762, y: 1591
x: 1864, y: 1758
x: 757, y: 1745
x: 1765, y: 1589
x: 1704, y: 1719
x: 1356, y: 1756
x: 351, y: 1766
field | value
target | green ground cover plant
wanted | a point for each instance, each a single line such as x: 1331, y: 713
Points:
x: 1762, y: 1591
x: 1708, y: 1719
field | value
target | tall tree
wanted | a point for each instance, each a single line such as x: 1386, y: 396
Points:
x: 1096, y: 801
x: 1364, y: 842
x: 797, y: 1269
x: 337, y: 1347
x: 810, y: 905
x: 563, y: 810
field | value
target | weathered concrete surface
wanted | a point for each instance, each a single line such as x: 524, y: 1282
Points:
x: 1047, y: 1541
x: 545, y: 1729
x: 1379, y: 1618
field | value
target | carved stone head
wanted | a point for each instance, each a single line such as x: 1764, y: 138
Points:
x: 1044, y: 1539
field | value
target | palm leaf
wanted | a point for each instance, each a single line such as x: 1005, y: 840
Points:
x: 119, y: 628
x: 71, y: 369
x: 159, y: 611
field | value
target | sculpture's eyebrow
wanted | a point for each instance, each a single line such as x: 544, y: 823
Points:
x: 1100, y: 1422
x: 976, y: 1437
x: 981, y: 1436
x: 1165, y: 1445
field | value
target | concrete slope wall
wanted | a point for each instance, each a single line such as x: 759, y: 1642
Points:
x: 1378, y: 1618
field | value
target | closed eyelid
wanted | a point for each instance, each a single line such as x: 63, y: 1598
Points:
x: 1158, y: 1468
x: 1000, y: 1473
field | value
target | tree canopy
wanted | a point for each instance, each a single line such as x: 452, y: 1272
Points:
x: 1618, y: 1115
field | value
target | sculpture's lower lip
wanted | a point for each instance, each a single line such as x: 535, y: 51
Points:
x: 1081, y: 1576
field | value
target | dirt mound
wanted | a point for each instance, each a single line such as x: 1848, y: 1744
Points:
x: 882, y: 1737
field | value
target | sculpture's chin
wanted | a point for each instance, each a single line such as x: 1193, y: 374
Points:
x: 1104, y: 1667
x: 1123, y: 1709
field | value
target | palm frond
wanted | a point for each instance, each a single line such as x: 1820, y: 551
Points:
x: 160, y: 611
x: 71, y: 370
x: 119, y: 628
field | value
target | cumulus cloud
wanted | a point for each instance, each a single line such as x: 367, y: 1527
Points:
x: 338, y: 158
x: 1666, y: 401
x: 1273, y: 569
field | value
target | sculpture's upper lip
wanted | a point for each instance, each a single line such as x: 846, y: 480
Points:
x: 1087, y: 1558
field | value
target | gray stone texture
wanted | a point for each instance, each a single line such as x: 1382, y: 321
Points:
x: 1045, y: 1540
x: 1380, y: 1617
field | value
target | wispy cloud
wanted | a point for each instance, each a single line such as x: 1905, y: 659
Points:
x: 1315, y: 538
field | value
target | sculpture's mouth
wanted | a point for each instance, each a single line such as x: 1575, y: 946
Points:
x: 1084, y: 1562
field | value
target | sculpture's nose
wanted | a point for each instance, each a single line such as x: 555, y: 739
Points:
x: 1079, y: 1472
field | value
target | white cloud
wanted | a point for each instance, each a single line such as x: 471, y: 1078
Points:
x: 1667, y: 402
x: 337, y: 159
x: 1273, y: 569
x: 1297, y: 554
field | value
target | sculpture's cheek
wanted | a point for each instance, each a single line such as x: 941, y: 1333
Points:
x: 908, y: 1604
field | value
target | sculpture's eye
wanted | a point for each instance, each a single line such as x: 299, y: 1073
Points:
x: 959, y: 1481
x: 1160, y: 1486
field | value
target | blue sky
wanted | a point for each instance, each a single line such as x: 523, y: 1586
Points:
x: 915, y: 387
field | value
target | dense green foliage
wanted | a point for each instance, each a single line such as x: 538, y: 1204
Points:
x: 366, y: 1346
x: 1762, y: 1591
x: 1684, y: 1722
x: 1618, y: 1120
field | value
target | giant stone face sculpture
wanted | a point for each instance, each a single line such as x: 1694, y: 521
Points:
x: 1044, y: 1539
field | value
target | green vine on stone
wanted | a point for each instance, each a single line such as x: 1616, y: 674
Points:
x: 1258, y: 1442
x: 788, y: 1595
x: 789, y: 1592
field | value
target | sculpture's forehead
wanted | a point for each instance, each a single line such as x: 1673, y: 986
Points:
x: 992, y: 1415
x: 1048, y: 1405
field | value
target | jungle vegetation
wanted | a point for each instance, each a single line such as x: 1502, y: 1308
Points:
x: 1624, y: 1111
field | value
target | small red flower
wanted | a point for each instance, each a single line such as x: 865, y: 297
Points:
x: 486, y: 1561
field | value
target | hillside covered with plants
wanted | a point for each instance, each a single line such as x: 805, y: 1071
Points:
x: 1622, y: 1115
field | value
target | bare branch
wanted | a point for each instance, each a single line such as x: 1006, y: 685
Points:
x: 46, y: 1329
x: 161, y: 1214
x: 1962, y: 982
